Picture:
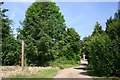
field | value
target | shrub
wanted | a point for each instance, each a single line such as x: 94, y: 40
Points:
x: 104, y: 56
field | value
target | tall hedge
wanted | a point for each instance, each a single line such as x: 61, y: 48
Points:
x: 104, y: 56
x: 104, y: 50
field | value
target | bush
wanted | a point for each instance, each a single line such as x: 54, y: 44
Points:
x: 63, y: 62
x: 104, y: 56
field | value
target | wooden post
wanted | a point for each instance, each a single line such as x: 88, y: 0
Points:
x: 22, y: 59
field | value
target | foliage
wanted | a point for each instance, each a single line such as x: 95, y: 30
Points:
x: 46, y: 36
x: 86, y: 40
x: 11, y: 51
x: 97, y: 30
x: 104, y: 49
x: 63, y: 62
x: 10, y: 47
x: 103, y: 56
x: 113, y: 28
x: 85, y: 47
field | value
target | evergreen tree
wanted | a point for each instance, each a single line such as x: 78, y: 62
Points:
x: 113, y: 26
x: 73, y: 40
x: 43, y: 29
x: 104, y: 49
x: 10, y: 47
x: 97, y: 30
x: 45, y: 34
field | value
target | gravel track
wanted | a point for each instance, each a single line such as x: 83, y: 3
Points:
x: 75, y: 72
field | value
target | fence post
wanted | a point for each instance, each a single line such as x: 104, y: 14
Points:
x: 22, y: 60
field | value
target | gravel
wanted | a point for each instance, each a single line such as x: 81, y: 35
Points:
x: 9, y: 71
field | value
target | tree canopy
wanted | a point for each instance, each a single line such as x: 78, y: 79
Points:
x: 10, y: 47
x: 46, y: 35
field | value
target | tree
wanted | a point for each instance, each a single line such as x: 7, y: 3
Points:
x: 117, y: 14
x: 97, y: 30
x: 86, y: 40
x: 5, y: 23
x: 113, y: 26
x: 85, y: 46
x: 46, y: 36
x: 104, y: 49
x: 10, y: 47
x: 43, y: 29
x: 73, y: 39
x: 113, y: 31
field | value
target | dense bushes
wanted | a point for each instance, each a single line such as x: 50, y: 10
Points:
x: 11, y: 51
x: 103, y: 49
x: 104, y: 56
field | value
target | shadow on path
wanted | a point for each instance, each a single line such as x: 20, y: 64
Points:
x: 84, y: 73
x: 81, y: 68
x: 83, y: 64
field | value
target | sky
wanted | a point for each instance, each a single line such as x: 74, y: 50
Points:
x: 82, y: 16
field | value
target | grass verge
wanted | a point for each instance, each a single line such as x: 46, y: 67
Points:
x: 62, y: 66
x: 47, y: 73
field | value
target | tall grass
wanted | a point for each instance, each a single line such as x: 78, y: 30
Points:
x: 64, y: 63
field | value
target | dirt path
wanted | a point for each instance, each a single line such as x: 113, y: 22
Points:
x: 75, y: 72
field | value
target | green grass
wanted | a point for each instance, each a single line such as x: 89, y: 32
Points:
x: 64, y: 64
x: 47, y: 73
